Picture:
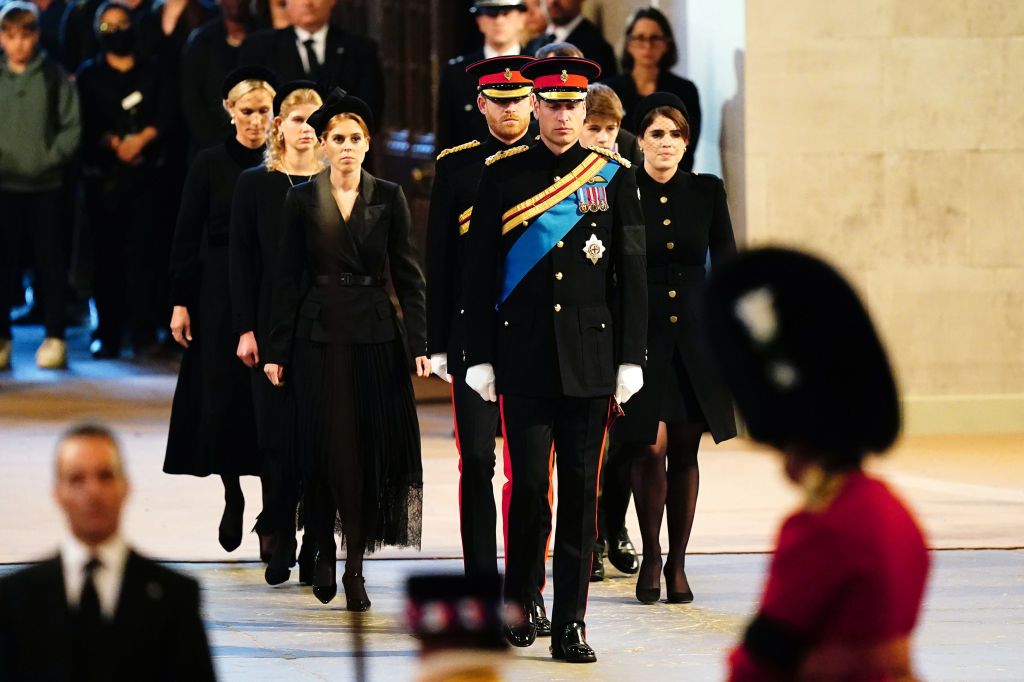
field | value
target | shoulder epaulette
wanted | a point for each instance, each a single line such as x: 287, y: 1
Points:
x: 461, y: 147
x: 505, y: 153
x: 611, y: 155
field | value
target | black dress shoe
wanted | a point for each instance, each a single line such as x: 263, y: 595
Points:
x: 597, y: 567
x: 622, y: 554
x: 572, y: 646
x: 540, y: 620
x: 229, y: 533
x: 306, y: 562
x: 325, y: 581
x: 520, y: 628
x: 356, y: 598
x: 280, y: 561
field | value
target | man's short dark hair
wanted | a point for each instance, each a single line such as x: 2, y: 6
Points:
x: 91, y: 430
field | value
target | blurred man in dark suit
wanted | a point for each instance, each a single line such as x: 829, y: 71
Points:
x: 568, y: 25
x: 97, y: 610
x: 314, y: 49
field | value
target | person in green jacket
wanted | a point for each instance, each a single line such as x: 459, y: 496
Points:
x: 39, y: 108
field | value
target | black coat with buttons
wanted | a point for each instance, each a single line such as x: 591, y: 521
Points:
x: 456, y: 178
x: 687, y: 218
x: 570, y: 322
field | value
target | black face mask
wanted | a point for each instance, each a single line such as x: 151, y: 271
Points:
x: 121, y: 43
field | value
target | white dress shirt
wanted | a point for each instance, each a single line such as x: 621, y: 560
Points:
x: 112, y: 554
x: 491, y: 53
x: 319, y: 45
x: 561, y: 33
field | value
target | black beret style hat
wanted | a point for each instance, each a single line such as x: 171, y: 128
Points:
x: 247, y: 73
x: 561, y: 78
x: 290, y: 87
x: 501, y: 77
x: 654, y: 101
x: 340, y: 102
x: 798, y: 349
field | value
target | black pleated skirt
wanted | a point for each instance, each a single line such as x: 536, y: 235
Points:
x: 679, y: 403
x: 357, y: 431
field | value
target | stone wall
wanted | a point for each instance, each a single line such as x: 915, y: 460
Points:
x: 888, y: 136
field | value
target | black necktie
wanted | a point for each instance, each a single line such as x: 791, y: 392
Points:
x: 314, y: 64
x: 89, y: 601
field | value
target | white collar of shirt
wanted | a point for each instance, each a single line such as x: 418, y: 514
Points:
x: 319, y: 44
x: 113, y: 555
x: 561, y: 33
x: 490, y: 53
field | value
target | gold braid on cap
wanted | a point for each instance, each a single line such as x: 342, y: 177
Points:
x: 505, y: 153
x: 614, y: 156
x: 461, y: 147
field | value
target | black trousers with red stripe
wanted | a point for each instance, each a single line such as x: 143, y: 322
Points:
x: 576, y: 428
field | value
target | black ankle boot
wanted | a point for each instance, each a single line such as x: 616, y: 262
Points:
x: 279, y: 566
x: 229, y: 533
x: 325, y: 580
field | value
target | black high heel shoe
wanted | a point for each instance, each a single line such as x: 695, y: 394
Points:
x: 229, y: 533
x: 677, y: 597
x: 356, y: 598
x: 268, y: 543
x: 648, y: 595
x: 325, y: 577
x: 279, y: 566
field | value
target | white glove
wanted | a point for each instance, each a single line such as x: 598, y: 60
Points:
x: 439, y: 366
x: 480, y: 378
x: 629, y: 381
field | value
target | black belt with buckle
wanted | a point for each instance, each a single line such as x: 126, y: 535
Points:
x: 348, y: 279
x: 676, y: 274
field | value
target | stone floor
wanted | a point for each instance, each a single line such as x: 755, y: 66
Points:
x: 967, y: 491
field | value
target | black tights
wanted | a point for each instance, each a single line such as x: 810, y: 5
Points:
x: 322, y: 517
x: 657, y: 488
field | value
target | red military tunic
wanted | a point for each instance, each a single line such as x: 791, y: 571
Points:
x: 843, y: 593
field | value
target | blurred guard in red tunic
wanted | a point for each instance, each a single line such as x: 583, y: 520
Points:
x: 811, y: 379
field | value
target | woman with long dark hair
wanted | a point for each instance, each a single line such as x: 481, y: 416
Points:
x: 649, y: 54
x: 213, y: 426
x: 686, y: 219
x: 336, y: 335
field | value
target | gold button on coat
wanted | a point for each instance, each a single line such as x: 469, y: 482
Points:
x: 670, y: 246
x: 663, y: 200
x: 673, y: 319
x: 558, y: 275
x: 672, y: 294
x: 666, y: 222
x: 560, y: 244
x: 558, y: 307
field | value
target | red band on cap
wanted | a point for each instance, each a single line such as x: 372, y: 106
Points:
x: 562, y: 80
x: 499, y: 78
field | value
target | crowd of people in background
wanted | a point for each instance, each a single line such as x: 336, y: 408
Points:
x: 110, y: 101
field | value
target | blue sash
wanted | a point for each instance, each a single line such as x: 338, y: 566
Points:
x: 547, y: 230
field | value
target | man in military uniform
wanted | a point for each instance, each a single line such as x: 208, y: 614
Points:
x: 500, y: 22
x: 503, y: 100
x: 556, y: 324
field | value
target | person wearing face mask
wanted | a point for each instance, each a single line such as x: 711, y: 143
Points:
x: 78, y: 40
x: 291, y: 158
x: 213, y: 426
x: 687, y: 218
x: 500, y: 23
x: 503, y: 101
x: 651, y: 52
x: 125, y: 107
x: 336, y: 337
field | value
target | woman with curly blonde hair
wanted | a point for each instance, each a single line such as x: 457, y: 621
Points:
x: 291, y: 158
